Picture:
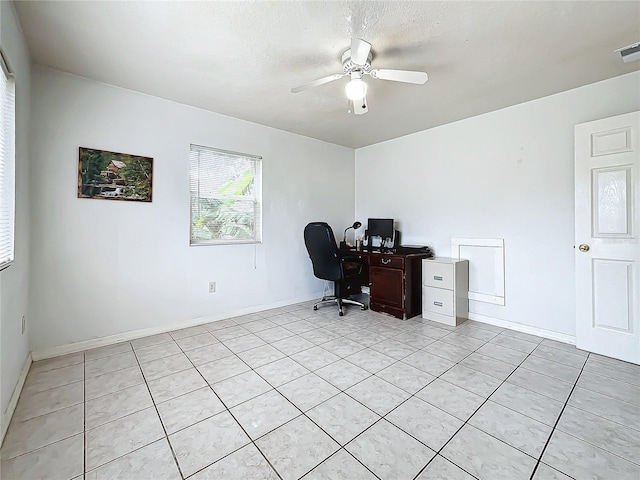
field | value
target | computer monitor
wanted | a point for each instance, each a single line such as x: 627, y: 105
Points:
x: 380, y: 227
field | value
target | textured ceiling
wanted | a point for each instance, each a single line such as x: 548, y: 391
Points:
x: 242, y: 58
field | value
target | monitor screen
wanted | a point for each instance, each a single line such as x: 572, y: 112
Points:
x: 380, y: 227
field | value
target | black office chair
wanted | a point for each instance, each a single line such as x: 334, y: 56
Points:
x: 348, y: 273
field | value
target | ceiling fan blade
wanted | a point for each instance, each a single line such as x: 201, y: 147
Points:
x: 359, y: 51
x: 406, y: 76
x: 317, y: 83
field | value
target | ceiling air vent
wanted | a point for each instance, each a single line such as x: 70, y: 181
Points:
x: 630, y: 53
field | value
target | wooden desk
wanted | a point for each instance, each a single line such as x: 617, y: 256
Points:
x: 395, y: 281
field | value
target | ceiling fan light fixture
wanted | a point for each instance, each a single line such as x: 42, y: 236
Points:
x: 356, y: 89
x: 356, y: 62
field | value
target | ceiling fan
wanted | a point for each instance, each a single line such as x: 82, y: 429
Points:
x: 356, y: 62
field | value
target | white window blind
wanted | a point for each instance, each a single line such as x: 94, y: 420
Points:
x: 226, y: 196
x: 7, y: 166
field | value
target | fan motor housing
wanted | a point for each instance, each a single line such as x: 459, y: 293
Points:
x: 348, y: 66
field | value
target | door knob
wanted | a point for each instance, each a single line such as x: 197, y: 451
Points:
x: 584, y: 247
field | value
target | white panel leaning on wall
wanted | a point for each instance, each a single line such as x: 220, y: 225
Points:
x: 486, y: 267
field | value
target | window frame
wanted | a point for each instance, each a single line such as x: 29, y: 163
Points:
x: 8, y: 165
x: 257, y: 197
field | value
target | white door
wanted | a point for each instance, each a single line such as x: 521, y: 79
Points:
x: 607, y: 176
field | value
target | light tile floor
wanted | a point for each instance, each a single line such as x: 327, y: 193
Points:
x: 292, y: 393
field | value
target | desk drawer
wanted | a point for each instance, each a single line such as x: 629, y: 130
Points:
x: 438, y: 275
x: 387, y: 261
x: 437, y: 300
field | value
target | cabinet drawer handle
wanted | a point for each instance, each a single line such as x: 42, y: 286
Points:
x: 437, y: 278
x: 437, y: 304
x: 385, y: 261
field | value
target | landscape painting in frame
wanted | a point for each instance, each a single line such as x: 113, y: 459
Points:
x: 114, y: 176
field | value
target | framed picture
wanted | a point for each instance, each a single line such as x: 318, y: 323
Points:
x: 114, y: 176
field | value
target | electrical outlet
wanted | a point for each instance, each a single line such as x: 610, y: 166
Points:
x: 24, y: 323
x: 212, y: 287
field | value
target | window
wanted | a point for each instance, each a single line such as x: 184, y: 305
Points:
x: 226, y: 197
x: 7, y: 166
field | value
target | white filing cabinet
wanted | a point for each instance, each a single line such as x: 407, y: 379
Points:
x: 445, y: 290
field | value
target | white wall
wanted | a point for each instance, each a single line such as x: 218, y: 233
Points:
x: 14, y: 285
x: 105, y: 267
x: 506, y: 174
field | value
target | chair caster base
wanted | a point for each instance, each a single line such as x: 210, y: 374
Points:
x: 340, y: 302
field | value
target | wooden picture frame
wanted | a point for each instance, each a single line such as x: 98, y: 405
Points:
x: 114, y: 176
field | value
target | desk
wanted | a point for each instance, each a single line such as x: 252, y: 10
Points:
x: 395, y: 281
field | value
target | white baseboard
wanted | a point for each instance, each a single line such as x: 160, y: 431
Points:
x: 145, y: 332
x: 518, y: 327
x: 8, y: 415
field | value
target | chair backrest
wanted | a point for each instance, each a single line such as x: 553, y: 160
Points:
x: 323, y: 251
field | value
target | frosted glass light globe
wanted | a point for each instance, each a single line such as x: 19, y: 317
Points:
x: 356, y: 89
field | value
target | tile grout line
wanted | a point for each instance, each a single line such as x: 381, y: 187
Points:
x: 365, y: 347
x: 356, y: 400
x: 130, y: 345
x: 344, y: 336
x: 438, y: 452
x: 147, y: 346
x: 341, y: 447
x: 470, y: 416
x: 327, y: 400
x: 577, y: 408
x: 555, y: 425
x: 576, y: 386
x: 145, y: 383
x: 341, y: 391
x: 301, y: 412
x: 274, y: 388
x: 14, y: 420
x: 311, y: 371
x: 213, y: 391
x: 476, y: 411
x: 227, y: 409
x: 636, y: 429
x: 129, y: 414
x: 155, y: 406
x: 383, y: 417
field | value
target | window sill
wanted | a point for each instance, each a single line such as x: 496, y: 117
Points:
x: 207, y: 243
